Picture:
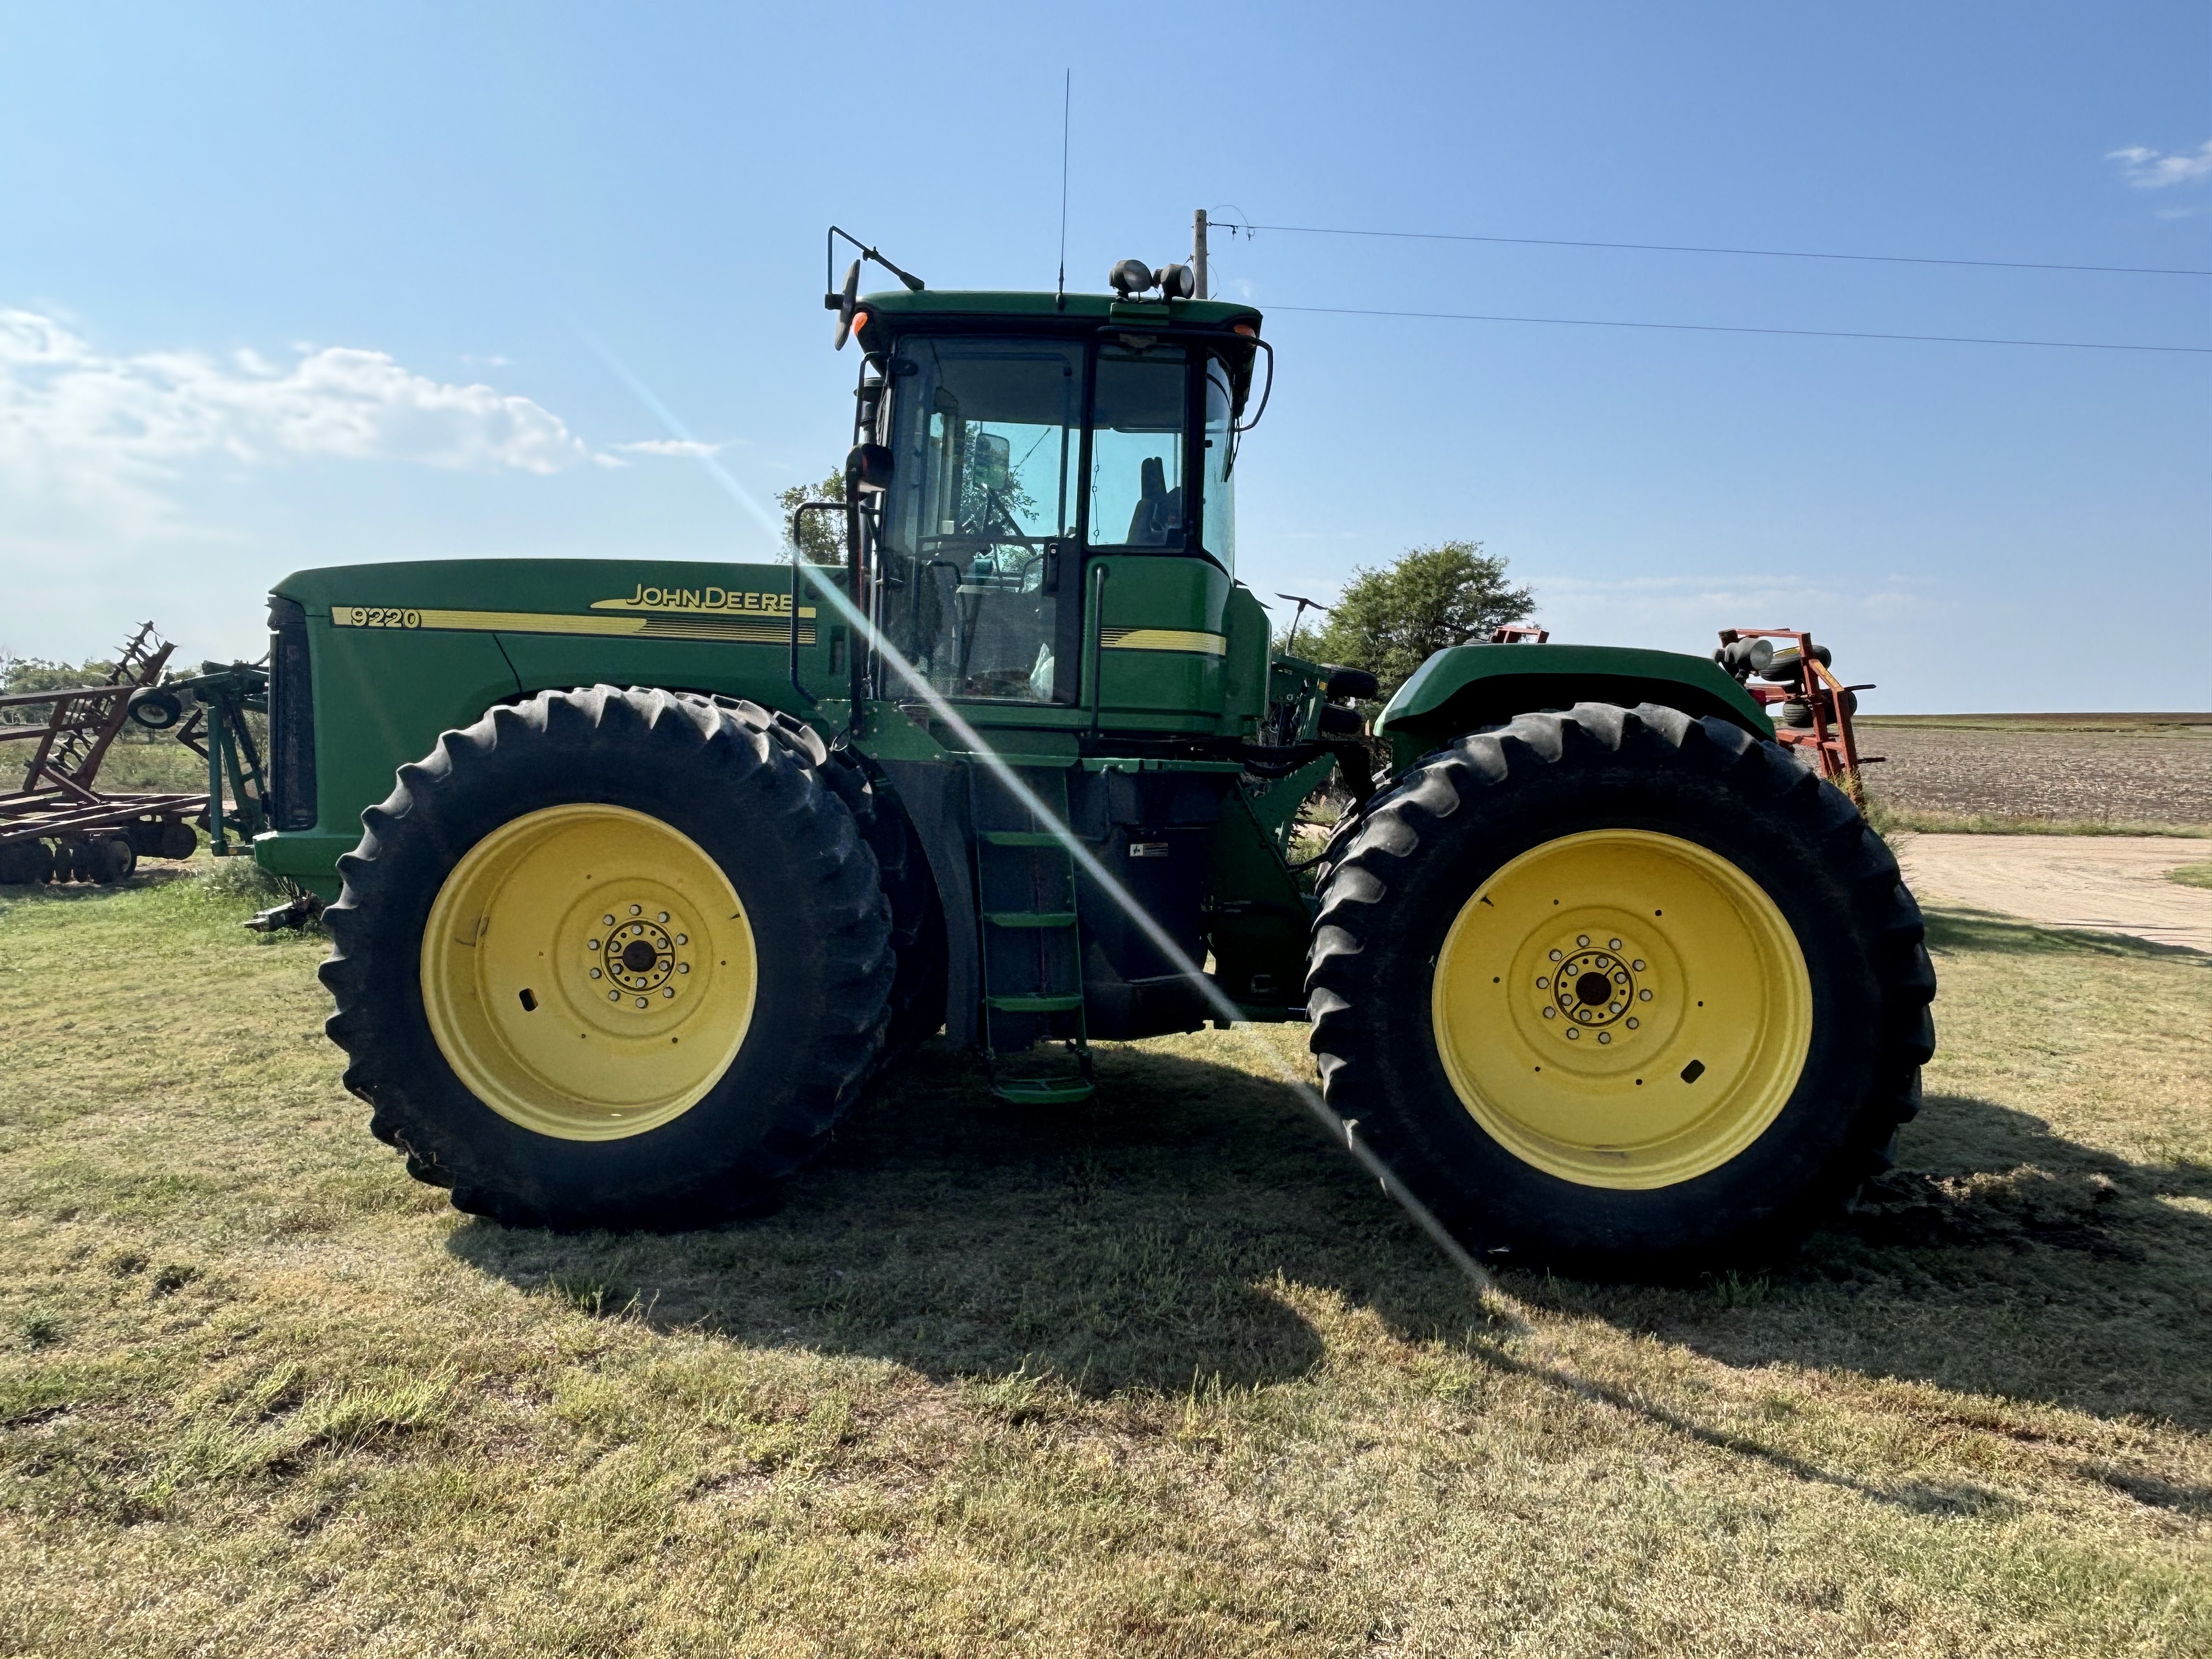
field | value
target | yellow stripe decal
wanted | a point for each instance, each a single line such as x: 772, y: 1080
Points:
x: 1163, y: 639
x: 724, y: 629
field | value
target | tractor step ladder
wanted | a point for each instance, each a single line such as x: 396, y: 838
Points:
x: 1030, y: 946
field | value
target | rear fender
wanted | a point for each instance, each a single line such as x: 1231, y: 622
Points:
x: 1471, y: 686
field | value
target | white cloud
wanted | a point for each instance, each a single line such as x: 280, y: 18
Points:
x: 2147, y: 169
x: 690, y: 446
x: 94, y: 427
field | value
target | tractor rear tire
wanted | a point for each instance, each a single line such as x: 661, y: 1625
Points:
x: 628, y: 872
x: 1620, y: 992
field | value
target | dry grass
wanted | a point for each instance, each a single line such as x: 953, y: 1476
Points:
x: 1161, y: 1375
x: 1889, y: 817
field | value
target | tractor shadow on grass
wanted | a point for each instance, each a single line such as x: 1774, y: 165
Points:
x: 1998, y: 1259
x: 1148, y: 1240
x: 1131, y: 1242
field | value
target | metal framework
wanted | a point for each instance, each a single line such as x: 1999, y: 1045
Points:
x: 60, y: 800
x: 1830, y: 737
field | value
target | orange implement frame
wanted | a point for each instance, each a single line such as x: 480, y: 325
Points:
x: 1829, y: 702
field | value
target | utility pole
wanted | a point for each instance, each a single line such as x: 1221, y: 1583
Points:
x: 1198, y: 252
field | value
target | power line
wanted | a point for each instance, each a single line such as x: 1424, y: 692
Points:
x: 1738, y: 328
x: 1749, y: 252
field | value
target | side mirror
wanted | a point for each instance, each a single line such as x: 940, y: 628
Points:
x: 848, y: 299
x: 869, y: 467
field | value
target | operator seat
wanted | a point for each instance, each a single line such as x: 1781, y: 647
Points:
x: 1158, y: 517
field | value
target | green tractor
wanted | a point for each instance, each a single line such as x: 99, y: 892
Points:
x: 681, y: 858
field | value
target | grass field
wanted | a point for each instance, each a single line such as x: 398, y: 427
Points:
x: 1163, y: 1375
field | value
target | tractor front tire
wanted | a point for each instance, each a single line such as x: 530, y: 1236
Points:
x: 611, y: 958
x: 1620, y: 992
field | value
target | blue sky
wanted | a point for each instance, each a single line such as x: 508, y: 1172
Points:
x: 309, y: 285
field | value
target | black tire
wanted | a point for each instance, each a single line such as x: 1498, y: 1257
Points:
x: 918, y: 989
x: 156, y: 708
x: 25, y: 863
x: 112, y: 859
x: 747, y: 788
x: 1456, y: 818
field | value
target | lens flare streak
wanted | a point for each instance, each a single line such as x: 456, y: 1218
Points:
x: 1345, y: 1133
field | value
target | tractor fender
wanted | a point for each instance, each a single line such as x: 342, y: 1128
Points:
x: 1467, y: 687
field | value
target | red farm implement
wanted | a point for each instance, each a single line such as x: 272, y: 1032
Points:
x: 1811, y: 708
x: 59, y: 824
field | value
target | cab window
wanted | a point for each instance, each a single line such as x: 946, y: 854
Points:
x: 986, y: 440
x: 1139, y: 431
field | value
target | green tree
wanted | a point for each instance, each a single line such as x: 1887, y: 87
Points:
x: 1390, y: 621
x: 821, y: 535
x: 26, y: 674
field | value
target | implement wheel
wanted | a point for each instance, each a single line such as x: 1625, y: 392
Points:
x: 610, y: 958
x: 1622, y: 991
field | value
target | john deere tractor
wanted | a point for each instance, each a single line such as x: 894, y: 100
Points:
x: 642, y: 872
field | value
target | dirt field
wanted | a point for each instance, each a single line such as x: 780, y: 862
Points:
x: 2106, y: 883
x: 2035, y: 767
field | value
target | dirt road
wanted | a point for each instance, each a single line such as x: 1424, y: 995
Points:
x: 2111, y: 883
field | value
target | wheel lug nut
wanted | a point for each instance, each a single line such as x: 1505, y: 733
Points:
x: 1605, y: 1036
x: 595, y: 973
x: 607, y: 921
x: 684, y: 938
x: 614, y: 996
x: 669, y: 992
x: 637, y: 910
x: 1643, y: 996
x: 1551, y: 1013
x: 683, y: 966
x: 1555, y: 956
x: 1637, y: 965
x: 1572, y: 1034
x: 1582, y: 938
x: 1632, y: 1022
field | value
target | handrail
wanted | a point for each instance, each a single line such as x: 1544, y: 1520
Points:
x: 796, y: 556
x: 1091, y: 650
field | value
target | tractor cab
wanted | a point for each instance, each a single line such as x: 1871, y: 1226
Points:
x: 1007, y: 444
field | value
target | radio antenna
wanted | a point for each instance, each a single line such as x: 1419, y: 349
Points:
x: 1066, y: 98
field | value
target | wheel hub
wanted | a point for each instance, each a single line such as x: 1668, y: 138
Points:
x: 1594, y: 984
x: 637, y: 955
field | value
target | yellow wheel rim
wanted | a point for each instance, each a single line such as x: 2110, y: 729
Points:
x: 588, y: 972
x: 1622, y: 1009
